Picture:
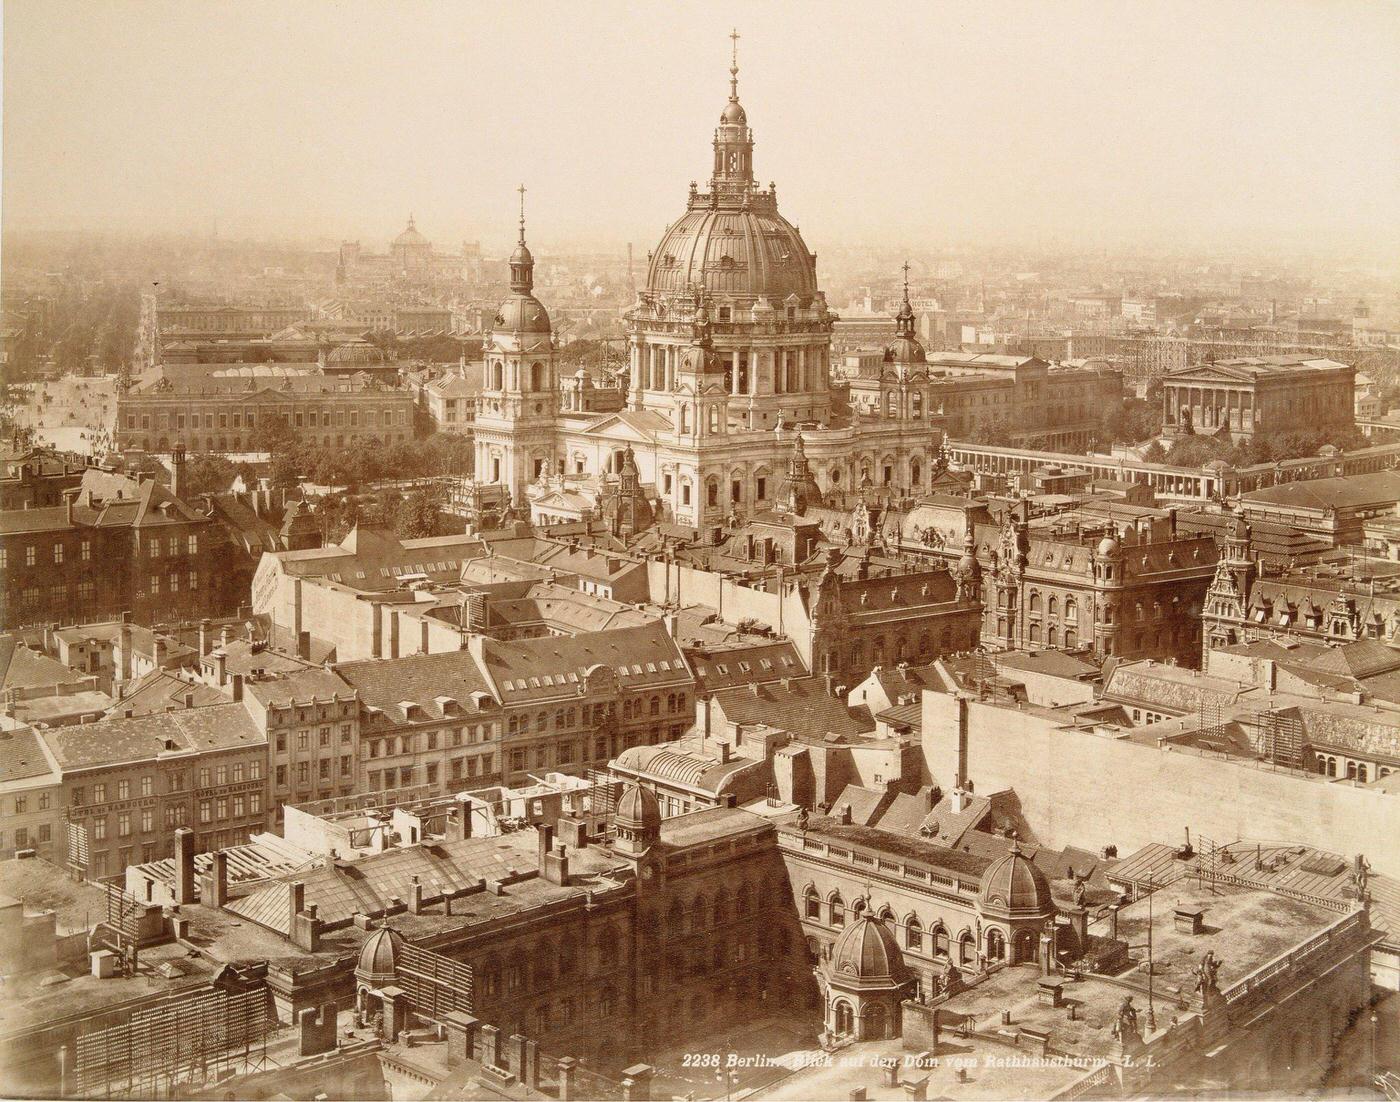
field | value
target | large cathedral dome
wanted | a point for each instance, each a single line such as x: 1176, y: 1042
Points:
x: 734, y: 249
x: 731, y: 240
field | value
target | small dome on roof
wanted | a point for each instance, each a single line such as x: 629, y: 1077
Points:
x: 733, y: 114
x: 1013, y: 887
x: 410, y: 235
x: 866, y: 955
x: 379, y: 955
x: 638, y: 810
x: 1108, y: 546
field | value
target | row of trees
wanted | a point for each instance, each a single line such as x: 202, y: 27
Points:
x: 1196, y: 451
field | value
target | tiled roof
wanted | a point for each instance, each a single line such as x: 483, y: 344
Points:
x: 21, y: 667
x: 22, y: 756
x: 427, y: 680
x: 299, y: 687
x: 802, y: 707
x: 745, y: 664
x: 551, y: 666
x: 160, y: 689
x: 114, y: 740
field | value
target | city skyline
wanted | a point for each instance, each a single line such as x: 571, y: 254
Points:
x: 894, y: 132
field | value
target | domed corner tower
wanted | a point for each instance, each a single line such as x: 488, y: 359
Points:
x: 517, y: 410
x: 1014, y: 904
x: 865, y: 980
x: 637, y: 822
x: 734, y: 257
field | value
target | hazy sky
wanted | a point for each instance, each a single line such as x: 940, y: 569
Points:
x: 1110, y: 123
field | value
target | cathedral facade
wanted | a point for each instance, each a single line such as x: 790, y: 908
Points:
x: 730, y: 358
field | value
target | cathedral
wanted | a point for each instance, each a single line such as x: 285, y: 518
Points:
x: 730, y: 349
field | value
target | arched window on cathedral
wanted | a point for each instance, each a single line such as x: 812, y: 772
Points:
x: 685, y: 417
x: 811, y: 904
x: 537, y: 376
x: 913, y: 933
x: 838, y: 909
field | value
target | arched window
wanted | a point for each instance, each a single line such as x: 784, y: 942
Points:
x: 915, y: 470
x: 699, y: 913
x: 1054, y: 606
x: 887, y: 914
x: 720, y: 911
x: 967, y: 952
x: 742, y: 900
x: 1351, y: 770
x: 838, y: 909
x: 1035, y: 601
x: 656, y: 705
x: 711, y: 491
x: 685, y: 417
x: 811, y: 904
x: 940, y: 941
x: 1071, y: 608
x: 714, y: 418
x: 1361, y: 773
x: 1052, y: 636
x: 671, y: 702
x: 913, y: 933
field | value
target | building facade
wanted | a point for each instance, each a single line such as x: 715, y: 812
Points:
x: 1259, y: 395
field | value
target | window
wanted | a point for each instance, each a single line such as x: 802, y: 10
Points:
x: 123, y: 824
x: 99, y: 828
x: 21, y: 804
x: 147, y: 820
x: 221, y: 808
x: 913, y: 933
x: 58, y: 553
x: 281, y: 776
x: 206, y: 811
x: 221, y: 774
x: 838, y: 909
x: 99, y: 793
x: 303, y: 772
x: 147, y: 785
x: 204, y: 777
x: 78, y: 796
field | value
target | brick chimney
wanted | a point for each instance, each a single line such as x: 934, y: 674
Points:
x: 184, y: 865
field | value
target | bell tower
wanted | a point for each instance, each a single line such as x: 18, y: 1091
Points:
x: 519, y: 401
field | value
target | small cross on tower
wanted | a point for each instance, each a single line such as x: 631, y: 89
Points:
x: 734, y: 40
x: 906, y: 279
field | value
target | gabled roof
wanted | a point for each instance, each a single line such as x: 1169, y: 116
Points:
x: 441, y: 685
x: 113, y: 741
x: 630, y: 424
x: 21, y: 667
x: 803, y: 708
x: 551, y: 667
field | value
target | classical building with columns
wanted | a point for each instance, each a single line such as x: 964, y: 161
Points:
x: 1259, y: 395
x: 730, y: 350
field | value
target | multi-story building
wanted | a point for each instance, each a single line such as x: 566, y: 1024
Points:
x: 1126, y: 586
x: 223, y: 410
x: 569, y: 703
x: 128, y: 783
x: 1246, y: 602
x: 309, y: 720
x: 31, y: 796
x: 116, y: 545
x: 426, y: 721
x: 967, y: 394
x: 36, y: 478
x: 1259, y: 395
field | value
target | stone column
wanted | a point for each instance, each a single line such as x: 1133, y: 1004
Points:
x: 636, y: 1083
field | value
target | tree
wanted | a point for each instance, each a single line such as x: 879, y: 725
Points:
x: 1154, y: 453
x: 208, y: 474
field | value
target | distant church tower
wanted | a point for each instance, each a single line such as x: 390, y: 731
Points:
x: 519, y: 400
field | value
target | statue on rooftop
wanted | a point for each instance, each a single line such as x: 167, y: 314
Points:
x: 1079, y: 893
x: 1360, y: 872
x: 1205, y: 974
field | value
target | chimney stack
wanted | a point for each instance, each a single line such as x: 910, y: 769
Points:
x: 184, y: 866
x: 204, y: 641
x: 238, y: 686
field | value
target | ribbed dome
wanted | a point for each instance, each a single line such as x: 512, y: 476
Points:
x: 866, y: 955
x: 1012, y: 887
x: 522, y: 314
x: 1108, y: 546
x: 638, y: 810
x: 731, y: 250
x: 733, y: 114
x: 379, y: 954
x: 907, y: 350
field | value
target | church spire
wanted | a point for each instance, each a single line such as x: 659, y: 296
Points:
x: 522, y: 263
x: 734, y: 66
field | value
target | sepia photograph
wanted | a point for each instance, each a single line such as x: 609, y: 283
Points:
x: 499, y: 603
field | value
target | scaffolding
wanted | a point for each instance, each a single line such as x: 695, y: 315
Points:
x: 168, y: 1050
x: 1279, y: 737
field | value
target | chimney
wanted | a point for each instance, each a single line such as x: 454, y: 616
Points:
x: 555, y: 868
x: 296, y: 902
x: 304, y: 645
x: 204, y: 640
x: 963, y: 711
x: 184, y: 865
x: 157, y: 650
x: 220, y: 668
x: 238, y: 686
x: 214, y: 889
x: 68, y: 498
x: 724, y: 749
x: 178, y: 481
x: 225, y: 635
x: 545, y: 837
